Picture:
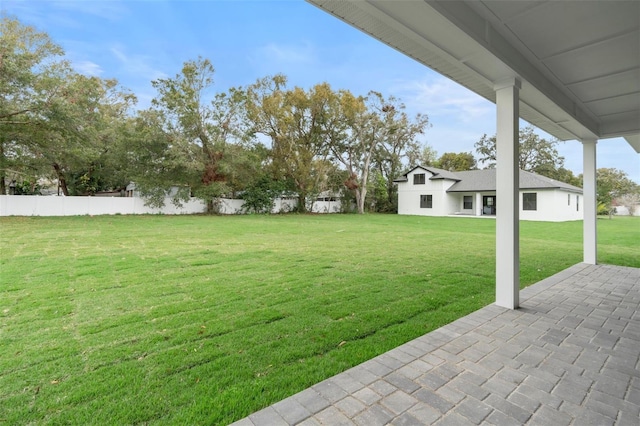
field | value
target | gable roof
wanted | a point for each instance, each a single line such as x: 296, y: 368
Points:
x: 435, y: 172
x: 485, y: 180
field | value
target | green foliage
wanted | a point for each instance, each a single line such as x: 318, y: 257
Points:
x: 380, y: 196
x: 456, y: 162
x: 422, y: 156
x: 55, y: 122
x: 29, y: 61
x: 564, y: 175
x: 536, y: 155
x: 603, y: 209
x: 26, y: 187
x: 613, y: 183
x: 202, y: 137
x: 79, y: 130
x: 297, y: 123
x: 259, y: 197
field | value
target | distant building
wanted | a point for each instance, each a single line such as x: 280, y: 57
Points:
x: 429, y: 191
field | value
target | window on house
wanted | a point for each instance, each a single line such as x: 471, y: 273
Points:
x: 467, y: 202
x: 419, y: 179
x: 529, y: 201
x: 426, y: 201
x: 568, y: 199
x: 577, y: 203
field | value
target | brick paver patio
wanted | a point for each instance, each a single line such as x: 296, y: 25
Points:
x: 569, y: 356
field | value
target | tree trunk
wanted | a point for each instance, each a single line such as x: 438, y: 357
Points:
x: 302, y: 202
x: 61, y: 180
x: 364, y: 178
x: 3, y: 172
x: 361, y: 195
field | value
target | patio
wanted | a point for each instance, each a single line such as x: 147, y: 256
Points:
x: 570, y: 355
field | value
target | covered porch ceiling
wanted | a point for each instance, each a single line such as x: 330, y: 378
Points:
x: 579, y: 61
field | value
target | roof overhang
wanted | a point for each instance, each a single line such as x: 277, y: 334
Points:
x: 579, y: 62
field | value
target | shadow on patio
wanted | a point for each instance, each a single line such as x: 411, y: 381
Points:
x: 569, y: 355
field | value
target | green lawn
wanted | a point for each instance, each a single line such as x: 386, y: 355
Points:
x: 203, y: 320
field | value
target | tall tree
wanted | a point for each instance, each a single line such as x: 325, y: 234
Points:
x: 295, y: 121
x: 205, y: 124
x: 81, y: 134
x: 457, y: 161
x: 399, y: 146
x: 537, y: 155
x: 54, y: 121
x: 160, y: 158
x: 30, y: 64
x: 355, y: 139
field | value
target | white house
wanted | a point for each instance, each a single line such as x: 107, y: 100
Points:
x: 428, y: 191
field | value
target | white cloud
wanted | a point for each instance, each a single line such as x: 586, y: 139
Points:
x: 88, y: 68
x: 136, y: 65
x: 458, y: 116
x: 274, y: 58
x: 288, y: 54
x: 441, y: 97
x: 111, y: 10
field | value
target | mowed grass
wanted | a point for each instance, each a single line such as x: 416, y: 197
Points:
x: 204, y: 320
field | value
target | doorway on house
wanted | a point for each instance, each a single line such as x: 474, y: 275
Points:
x: 489, y: 205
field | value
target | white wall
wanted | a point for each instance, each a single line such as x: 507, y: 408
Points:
x: 457, y: 203
x: 326, y: 207
x: 553, y: 205
x: 409, y: 195
x: 624, y: 210
x: 37, y: 205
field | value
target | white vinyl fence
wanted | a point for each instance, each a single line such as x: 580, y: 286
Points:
x: 625, y: 211
x: 37, y: 205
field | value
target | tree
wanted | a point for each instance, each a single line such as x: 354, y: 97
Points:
x: 29, y: 61
x: 612, y: 184
x: 422, y: 155
x: 354, y: 140
x: 398, y: 146
x: 259, y: 197
x: 565, y: 175
x: 53, y: 121
x: 536, y: 155
x: 80, y: 138
x: 457, y: 161
x: 159, y: 158
x: 202, y: 131
x: 296, y: 122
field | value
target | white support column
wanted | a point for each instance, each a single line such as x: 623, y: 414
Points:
x: 507, y: 194
x: 589, y: 203
x: 478, y: 204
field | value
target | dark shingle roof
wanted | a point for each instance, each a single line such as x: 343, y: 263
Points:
x: 436, y: 172
x: 485, y: 180
x: 442, y: 174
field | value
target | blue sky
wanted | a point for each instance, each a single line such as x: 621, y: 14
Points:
x: 139, y: 41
